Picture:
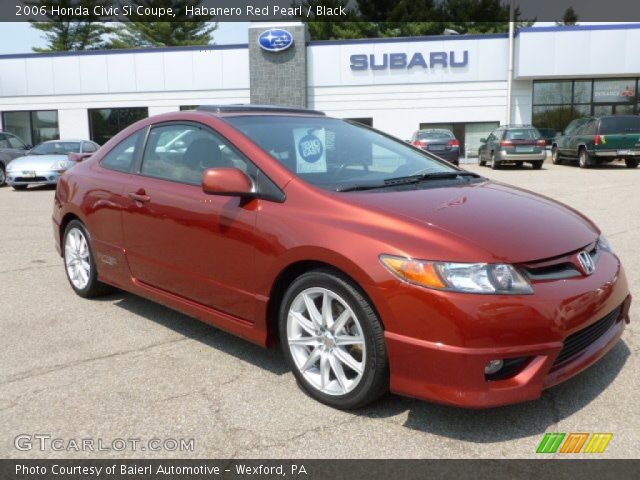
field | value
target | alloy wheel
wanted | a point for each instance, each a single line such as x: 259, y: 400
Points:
x: 326, y: 341
x: 76, y: 258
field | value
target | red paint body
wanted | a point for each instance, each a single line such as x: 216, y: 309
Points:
x: 218, y: 258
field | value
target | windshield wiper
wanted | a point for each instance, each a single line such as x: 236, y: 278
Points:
x: 407, y: 180
x: 428, y: 176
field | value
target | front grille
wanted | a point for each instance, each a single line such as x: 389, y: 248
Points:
x: 560, y: 267
x: 577, y: 342
x: 30, y: 179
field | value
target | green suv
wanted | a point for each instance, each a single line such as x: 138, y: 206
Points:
x: 595, y: 140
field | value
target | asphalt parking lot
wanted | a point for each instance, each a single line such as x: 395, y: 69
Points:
x: 123, y: 367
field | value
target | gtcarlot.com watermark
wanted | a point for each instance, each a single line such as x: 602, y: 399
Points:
x: 43, y: 442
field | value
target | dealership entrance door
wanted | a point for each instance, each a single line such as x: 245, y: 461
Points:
x: 468, y: 134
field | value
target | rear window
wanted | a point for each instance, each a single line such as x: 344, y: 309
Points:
x: 522, y: 134
x: 610, y: 125
x: 443, y: 135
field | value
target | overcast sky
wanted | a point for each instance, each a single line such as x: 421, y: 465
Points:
x: 21, y: 37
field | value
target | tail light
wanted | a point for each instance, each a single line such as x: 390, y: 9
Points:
x: 597, y: 140
x: 541, y: 142
x: 454, y: 143
x: 506, y: 143
x: 419, y: 143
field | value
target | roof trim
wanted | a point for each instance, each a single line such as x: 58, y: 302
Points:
x: 574, y: 28
x: 426, y: 38
x: 82, y: 53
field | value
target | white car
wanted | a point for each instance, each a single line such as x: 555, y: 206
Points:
x: 44, y: 164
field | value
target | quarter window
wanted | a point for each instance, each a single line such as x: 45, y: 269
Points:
x: 122, y: 155
x: 182, y: 153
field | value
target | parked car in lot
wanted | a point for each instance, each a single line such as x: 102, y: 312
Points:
x: 373, y: 264
x: 593, y: 141
x: 440, y: 142
x: 11, y: 147
x: 513, y: 144
x: 44, y: 164
x: 548, y: 134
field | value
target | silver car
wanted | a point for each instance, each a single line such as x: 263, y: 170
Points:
x: 44, y: 164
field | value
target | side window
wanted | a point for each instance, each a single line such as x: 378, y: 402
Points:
x: 182, y: 153
x: 588, y: 128
x: 88, y: 147
x: 15, y: 142
x: 4, y: 141
x: 121, y: 156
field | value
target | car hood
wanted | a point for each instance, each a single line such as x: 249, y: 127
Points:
x: 508, y: 224
x: 34, y: 162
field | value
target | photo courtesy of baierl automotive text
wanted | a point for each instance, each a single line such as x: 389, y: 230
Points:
x: 319, y: 238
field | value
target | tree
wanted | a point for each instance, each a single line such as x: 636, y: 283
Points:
x: 62, y: 34
x: 137, y: 32
x: 402, y: 18
x: 570, y: 17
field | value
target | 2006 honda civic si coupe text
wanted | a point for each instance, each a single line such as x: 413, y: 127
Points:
x: 375, y: 265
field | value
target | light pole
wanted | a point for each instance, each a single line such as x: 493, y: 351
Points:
x: 510, y: 67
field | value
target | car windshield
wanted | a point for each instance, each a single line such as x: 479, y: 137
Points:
x: 435, y: 135
x: 522, y: 134
x: 610, y: 125
x: 334, y: 154
x: 56, y: 148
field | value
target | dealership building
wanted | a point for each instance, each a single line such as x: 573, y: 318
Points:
x: 397, y: 85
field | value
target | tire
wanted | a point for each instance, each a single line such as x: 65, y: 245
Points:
x: 537, y: 165
x: 584, y: 159
x: 3, y: 176
x: 555, y: 156
x: 481, y: 162
x: 76, y: 241
x: 19, y: 188
x: 631, y: 162
x: 341, y: 386
x: 493, y: 164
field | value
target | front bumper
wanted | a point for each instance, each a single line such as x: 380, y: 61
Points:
x: 38, y: 177
x: 440, y: 354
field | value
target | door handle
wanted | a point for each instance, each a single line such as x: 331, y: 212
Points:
x: 140, y: 196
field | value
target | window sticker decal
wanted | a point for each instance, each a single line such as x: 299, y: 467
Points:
x: 311, y: 155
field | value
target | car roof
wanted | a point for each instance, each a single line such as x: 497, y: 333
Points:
x: 243, y: 109
x: 68, y: 140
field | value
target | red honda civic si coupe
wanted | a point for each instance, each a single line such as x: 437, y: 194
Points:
x: 374, y: 264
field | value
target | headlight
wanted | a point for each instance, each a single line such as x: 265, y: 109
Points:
x: 604, y: 244
x: 61, y: 165
x: 497, y: 278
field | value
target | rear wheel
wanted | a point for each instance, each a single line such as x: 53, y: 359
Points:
x: 631, y: 162
x: 481, y: 162
x: 584, y: 159
x: 537, y: 165
x: 79, y: 262
x: 333, y: 340
x: 493, y: 163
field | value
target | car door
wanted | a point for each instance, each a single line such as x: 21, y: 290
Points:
x: 181, y: 240
x: 566, y: 140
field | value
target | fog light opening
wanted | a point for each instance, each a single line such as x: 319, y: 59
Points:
x: 493, y: 366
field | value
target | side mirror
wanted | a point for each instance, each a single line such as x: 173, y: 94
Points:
x: 227, y: 181
x: 483, y: 140
x: 78, y: 157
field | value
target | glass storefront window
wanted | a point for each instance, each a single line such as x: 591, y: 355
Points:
x: 550, y: 93
x: 34, y: 126
x: 556, y: 117
x: 614, y: 91
x: 104, y: 123
x: 582, y: 91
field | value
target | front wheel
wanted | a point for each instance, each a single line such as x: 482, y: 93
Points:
x: 493, y: 163
x: 3, y: 176
x: 79, y: 262
x: 555, y: 156
x: 481, y: 161
x: 19, y: 188
x: 333, y: 340
x: 631, y: 162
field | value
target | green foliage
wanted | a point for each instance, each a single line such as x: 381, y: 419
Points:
x: 570, y: 17
x: 63, y: 35
x: 139, y: 33
x: 403, y: 18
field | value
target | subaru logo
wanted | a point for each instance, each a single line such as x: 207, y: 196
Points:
x: 275, y: 40
x: 586, y: 262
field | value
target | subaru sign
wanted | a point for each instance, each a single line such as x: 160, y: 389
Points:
x: 275, y: 40
x: 395, y: 61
